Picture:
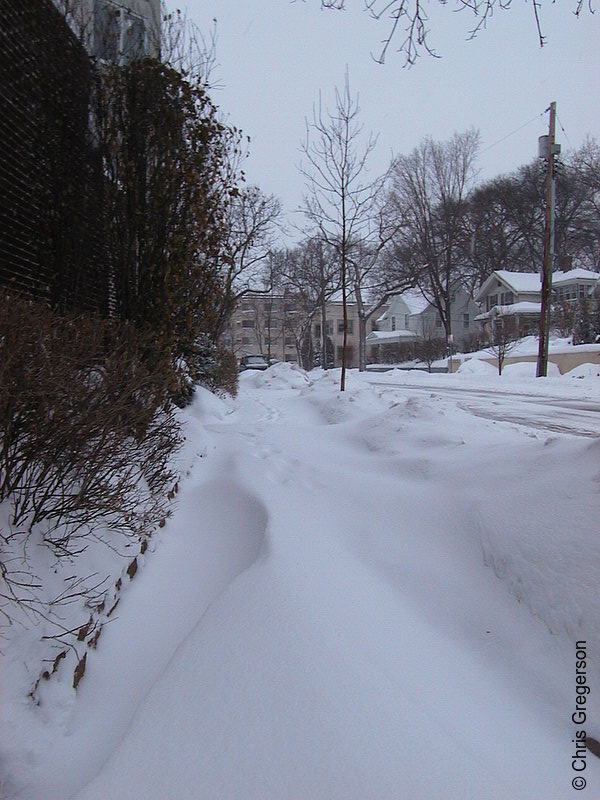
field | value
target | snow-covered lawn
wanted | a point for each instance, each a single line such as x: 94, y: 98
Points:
x: 373, y: 594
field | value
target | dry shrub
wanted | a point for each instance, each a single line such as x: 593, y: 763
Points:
x: 87, y: 430
x: 226, y: 377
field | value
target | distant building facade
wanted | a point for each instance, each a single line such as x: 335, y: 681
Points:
x: 116, y: 31
x: 277, y: 327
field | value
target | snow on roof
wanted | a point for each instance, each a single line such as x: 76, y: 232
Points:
x: 415, y: 301
x: 578, y: 274
x: 530, y: 282
x: 388, y: 337
x: 520, y: 281
x: 337, y: 297
x: 524, y: 307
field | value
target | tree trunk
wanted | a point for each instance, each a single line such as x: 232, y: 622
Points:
x: 362, y: 343
x: 323, y: 333
x: 345, y: 316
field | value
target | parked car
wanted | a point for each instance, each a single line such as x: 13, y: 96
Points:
x: 253, y: 362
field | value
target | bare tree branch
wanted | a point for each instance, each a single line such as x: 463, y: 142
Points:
x: 411, y: 17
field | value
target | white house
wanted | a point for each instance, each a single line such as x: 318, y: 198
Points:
x: 517, y: 295
x: 411, y: 317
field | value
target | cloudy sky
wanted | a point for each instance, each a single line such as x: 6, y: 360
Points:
x: 275, y: 56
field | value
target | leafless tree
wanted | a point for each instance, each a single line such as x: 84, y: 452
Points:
x: 371, y: 282
x: 339, y: 204
x: 504, y: 339
x: 430, y: 346
x: 251, y: 222
x: 505, y: 217
x: 430, y: 190
x: 313, y: 274
x: 408, y: 20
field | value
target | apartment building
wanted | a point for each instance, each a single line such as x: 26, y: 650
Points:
x: 115, y: 31
x: 277, y: 327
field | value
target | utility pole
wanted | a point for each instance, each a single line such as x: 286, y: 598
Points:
x: 547, y: 150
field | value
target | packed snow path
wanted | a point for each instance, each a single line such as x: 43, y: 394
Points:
x: 362, y: 595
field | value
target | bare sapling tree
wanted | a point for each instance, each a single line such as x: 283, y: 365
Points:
x: 430, y: 346
x: 339, y: 203
x: 409, y: 22
x: 371, y: 281
x: 430, y: 190
x: 504, y: 338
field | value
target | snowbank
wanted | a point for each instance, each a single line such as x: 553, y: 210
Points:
x: 368, y: 594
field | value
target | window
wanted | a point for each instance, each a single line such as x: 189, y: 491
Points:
x: 438, y: 321
x: 289, y: 341
x: 245, y: 340
x: 406, y: 320
x: 393, y: 323
x: 582, y: 292
x: 465, y: 320
x: 340, y: 325
x: 329, y: 327
x: 119, y: 34
x: 317, y: 331
x: 247, y: 323
x: 506, y: 298
x: 492, y: 301
x: 274, y: 324
x: 107, y: 31
x: 134, y: 36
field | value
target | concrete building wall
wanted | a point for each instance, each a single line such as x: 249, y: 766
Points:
x: 564, y: 361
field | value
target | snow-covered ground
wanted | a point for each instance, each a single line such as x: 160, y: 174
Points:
x: 374, y: 594
x: 527, y: 347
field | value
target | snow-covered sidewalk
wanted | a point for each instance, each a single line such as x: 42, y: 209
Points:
x: 364, y: 595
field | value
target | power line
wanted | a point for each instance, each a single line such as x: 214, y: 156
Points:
x: 512, y: 133
x: 565, y: 133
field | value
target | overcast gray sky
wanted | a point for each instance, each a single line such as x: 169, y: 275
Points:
x: 274, y: 56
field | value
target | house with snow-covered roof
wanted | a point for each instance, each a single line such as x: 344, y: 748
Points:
x: 411, y: 317
x: 517, y: 295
